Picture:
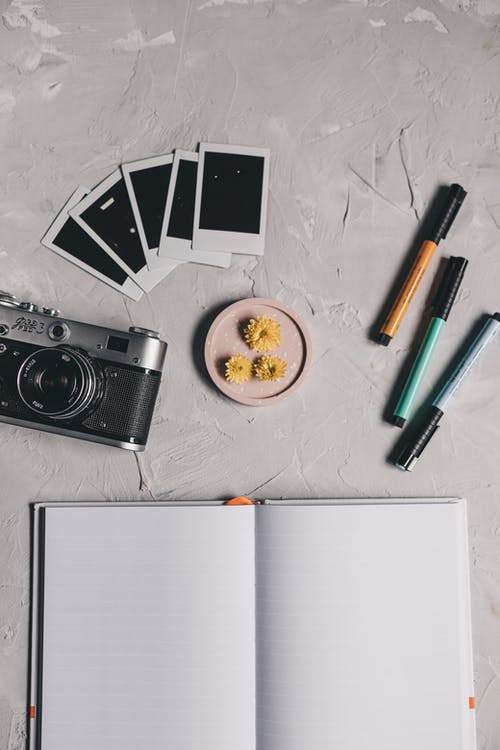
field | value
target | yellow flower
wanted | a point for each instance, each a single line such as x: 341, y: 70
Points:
x: 270, y: 368
x: 238, y: 369
x: 263, y: 334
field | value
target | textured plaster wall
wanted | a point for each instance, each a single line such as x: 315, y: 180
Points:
x: 367, y: 106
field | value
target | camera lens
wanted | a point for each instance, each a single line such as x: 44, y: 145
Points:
x: 56, y: 381
x: 59, y: 383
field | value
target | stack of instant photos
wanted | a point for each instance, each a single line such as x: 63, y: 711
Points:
x: 150, y: 215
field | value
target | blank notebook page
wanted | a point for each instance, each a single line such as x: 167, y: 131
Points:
x: 363, y: 628
x: 148, y: 637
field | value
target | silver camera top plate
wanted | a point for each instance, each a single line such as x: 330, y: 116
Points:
x: 134, y: 347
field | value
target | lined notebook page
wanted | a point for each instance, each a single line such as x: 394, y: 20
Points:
x: 362, y: 628
x: 148, y: 639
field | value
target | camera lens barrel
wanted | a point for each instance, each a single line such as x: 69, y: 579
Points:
x: 59, y: 383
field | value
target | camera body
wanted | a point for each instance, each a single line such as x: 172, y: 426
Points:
x: 77, y: 379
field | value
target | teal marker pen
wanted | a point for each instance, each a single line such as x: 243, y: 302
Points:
x: 445, y: 297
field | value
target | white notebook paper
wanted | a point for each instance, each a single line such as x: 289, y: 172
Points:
x: 268, y: 627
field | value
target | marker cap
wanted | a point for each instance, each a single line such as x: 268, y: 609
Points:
x: 407, y: 460
x: 449, y: 286
x: 409, y: 456
x: 384, y: 339
x: 454, y: 199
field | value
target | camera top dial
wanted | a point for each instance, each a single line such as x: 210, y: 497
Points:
x: 8, y: 300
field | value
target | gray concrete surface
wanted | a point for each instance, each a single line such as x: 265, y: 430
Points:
x: 367, y: 107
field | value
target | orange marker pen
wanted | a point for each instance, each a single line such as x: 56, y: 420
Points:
x: 454, y: 200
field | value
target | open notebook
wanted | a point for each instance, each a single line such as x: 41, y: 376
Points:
x: 286, y: 626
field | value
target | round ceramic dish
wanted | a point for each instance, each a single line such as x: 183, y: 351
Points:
x: 225, y: 338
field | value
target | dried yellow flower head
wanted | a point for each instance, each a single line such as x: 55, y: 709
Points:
x: 238, y: 369
x: 270, y: 368
x: 263, y: 334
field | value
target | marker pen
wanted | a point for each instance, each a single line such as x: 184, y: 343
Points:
x: 445, y: 297
x: 454, y: 200
x: 412, y: 452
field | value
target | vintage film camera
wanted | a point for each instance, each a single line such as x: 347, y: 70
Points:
x: 77, y: 379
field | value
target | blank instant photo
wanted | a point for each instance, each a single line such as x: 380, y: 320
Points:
x: 67, y: 238
x: 177, y: 229
x: 106, y: 214
x: 231, y: 199
x: 147, y: 182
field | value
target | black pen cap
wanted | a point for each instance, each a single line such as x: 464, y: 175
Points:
x: 411, y: 453
x: 449, y: 286
x: 451, y: 207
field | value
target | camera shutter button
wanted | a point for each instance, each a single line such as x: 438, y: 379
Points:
x: 144, y: 332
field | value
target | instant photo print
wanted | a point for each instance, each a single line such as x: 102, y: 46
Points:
x: 231, y: 199
x: 177, y: 230
x: 106, y: 214
x: 69, y: 240
x: 147, y: 182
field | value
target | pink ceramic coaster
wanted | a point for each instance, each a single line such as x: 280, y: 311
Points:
x: 225, y: 338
